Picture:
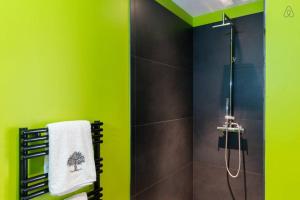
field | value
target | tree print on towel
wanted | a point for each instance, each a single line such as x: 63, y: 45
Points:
x: 76, y: 159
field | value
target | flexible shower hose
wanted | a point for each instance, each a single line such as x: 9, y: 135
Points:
x: 226, y: 149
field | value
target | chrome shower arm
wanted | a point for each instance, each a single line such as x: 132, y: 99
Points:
x: 226, y: 21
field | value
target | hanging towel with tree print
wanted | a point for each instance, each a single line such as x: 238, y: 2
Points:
x: 71, y: 157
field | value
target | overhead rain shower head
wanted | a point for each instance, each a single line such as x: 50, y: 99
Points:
x: 224, y: 23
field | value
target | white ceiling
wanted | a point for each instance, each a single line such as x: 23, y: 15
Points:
x: 200, y: 7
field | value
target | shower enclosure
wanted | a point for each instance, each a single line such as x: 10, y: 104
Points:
x: 184, y: 81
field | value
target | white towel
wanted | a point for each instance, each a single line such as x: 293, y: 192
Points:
x: 71, y: 157
x: 81, y: 196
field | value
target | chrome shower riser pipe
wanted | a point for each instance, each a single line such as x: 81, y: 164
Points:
x: 226, y: 21
x: 231, y: 71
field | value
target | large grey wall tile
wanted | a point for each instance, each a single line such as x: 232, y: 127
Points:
x: 162, y: 36
x: 161, y: 149
x: 178, y: 186
x: 163, y: 93
x: 248, y: 91
x: 250, y: 33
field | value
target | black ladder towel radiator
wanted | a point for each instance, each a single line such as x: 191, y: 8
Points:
x: 34, y: 143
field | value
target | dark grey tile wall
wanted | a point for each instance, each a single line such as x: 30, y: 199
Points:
x: 162, y: 92
x: 161, y: 103
x: 161, y: 36
x: 176, y: 186
x: 211, y: 75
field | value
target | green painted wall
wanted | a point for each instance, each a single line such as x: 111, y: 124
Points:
x: 65, y: 60
x: 234, y: 12
x: 282, y: 100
